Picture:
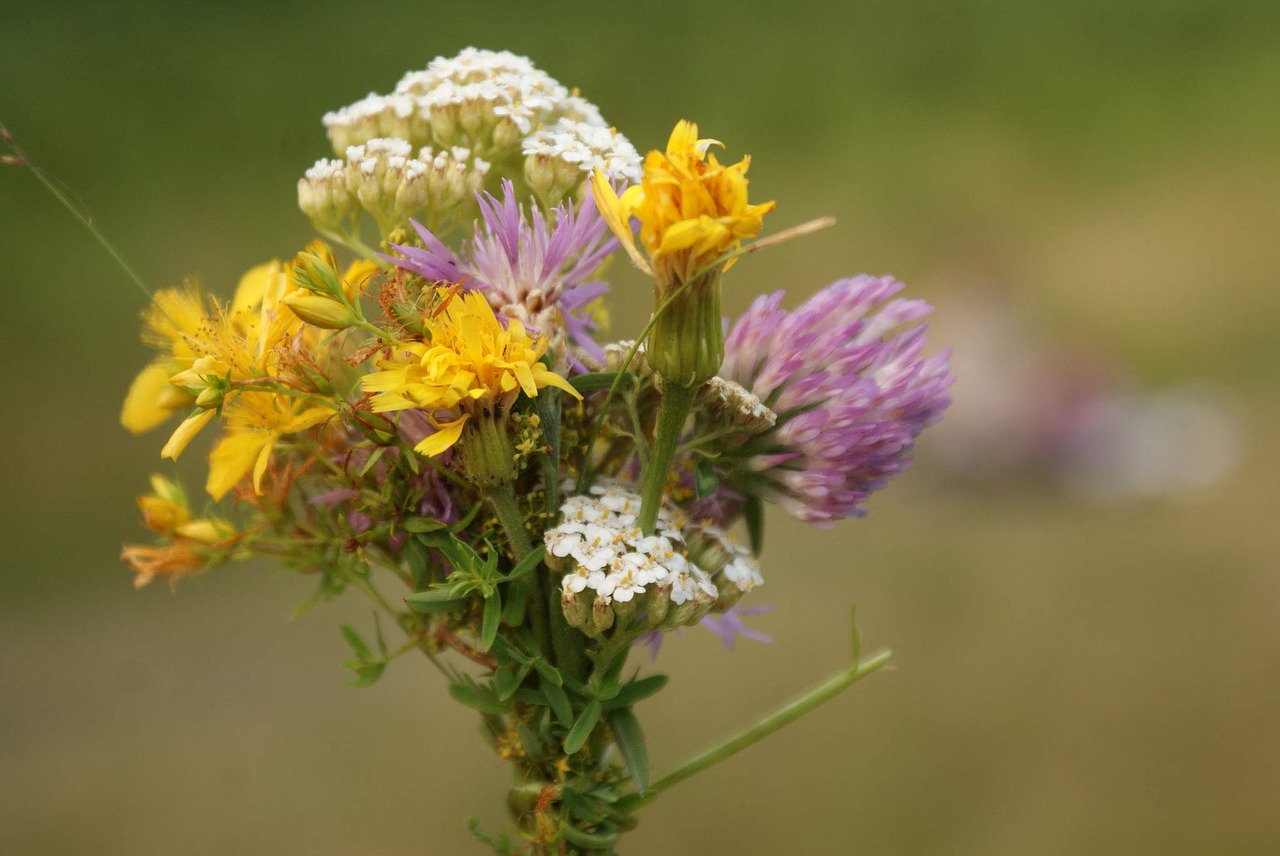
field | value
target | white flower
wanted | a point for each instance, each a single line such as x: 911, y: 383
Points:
x: 691, y: 584
x: 744, y: 572
x: 564, y: 539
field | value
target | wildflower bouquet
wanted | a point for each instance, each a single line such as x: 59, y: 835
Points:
x: 436, y: 425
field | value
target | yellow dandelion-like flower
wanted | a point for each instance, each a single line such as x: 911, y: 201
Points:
x: 692, y: 209
x: 470, y: 363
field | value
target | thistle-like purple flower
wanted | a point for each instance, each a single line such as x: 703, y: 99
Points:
x: 537, y: 273
x: 851, y: 388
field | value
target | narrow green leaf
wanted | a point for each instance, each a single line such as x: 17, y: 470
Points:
x: 477, y: 697
x: 491, y: 622
x: 514, y: 605
x: 636, y: 690
x: 373, y: 460
x: 592, y: 381
x: 377, y: 635
x: 434, y: 600
x: 705, y: 480
x: 506, y: 680
x: 418, y: 525
x: 630, y: 740
x: 559, y: 703
x: 753, y: 513
x: 367, y: 674
x: 527, y: 564
x: 361, y: 650
x: 581, y: 730
x: 417, y: 557
x: 548, y: 672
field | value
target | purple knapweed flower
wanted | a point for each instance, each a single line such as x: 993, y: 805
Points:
x: 852, y: 390
x: 536, y: 271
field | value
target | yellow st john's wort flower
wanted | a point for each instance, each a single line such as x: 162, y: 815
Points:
x: 470, y: 363
x: 692, y: 209
x: 255, y: 422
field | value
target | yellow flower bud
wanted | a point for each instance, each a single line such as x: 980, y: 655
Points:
x: 319, y: 311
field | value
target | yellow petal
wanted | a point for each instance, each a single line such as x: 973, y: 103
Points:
x: 182, y: 435
x: 142, y: 409
x: 445, y: 436
x: 233, y: 457
x: 253, y: 285
x: 550, y: 378
x: 260, y: 466
x: 611, y: 210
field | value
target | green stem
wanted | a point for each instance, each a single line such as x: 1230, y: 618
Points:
x: 503, y: 500
x: 790, y: 712
x: 677, y: 401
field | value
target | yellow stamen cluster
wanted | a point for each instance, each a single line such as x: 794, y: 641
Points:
x: 692, y: 209
x: 468, y: 364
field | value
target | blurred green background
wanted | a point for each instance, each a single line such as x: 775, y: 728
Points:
x: 1072, y: 677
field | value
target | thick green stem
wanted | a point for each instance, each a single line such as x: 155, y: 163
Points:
x: 503, y: 500
x: 790, y: 712
x: 677, y: 401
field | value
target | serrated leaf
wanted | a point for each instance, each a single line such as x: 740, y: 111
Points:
x: 477, y: 697
x: 559, y: 703
x: 632, y: 692
x: 705, y: 480
x: 629, y: 738
x: 582, y: 728
x: 491, y: 622
x: 753, y: 513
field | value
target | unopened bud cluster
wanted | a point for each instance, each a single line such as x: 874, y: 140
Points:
x: 384, y: 178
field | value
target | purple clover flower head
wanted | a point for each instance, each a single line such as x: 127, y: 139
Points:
x: 535, y: 269
x: 852, y: 389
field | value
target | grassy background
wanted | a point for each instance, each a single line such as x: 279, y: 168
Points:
x: 1071, y: 678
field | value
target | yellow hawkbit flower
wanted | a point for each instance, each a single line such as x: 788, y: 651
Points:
x: 692, y: 209
x: 469, y: 364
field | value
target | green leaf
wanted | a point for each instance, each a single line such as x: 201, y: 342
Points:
x: 366, y: 674
x: 418, y: 525
x: 636, y: 690
x: 630, y: 739
x: 434, y: 600
x: 549, y: 673
x: 513, y: 607
x: 527, y: 564
x: 377, y: 635
x: 507, y: 680
x: 592, y: 381
x: 753, y: 512
x: 581, y: 730
x: 492, y: 620
x: 373, y: 460
x: 475, y: 696
x: 362, y: 652
x: 559, y: 703
x: 417, y: 557
x: 705, y: 479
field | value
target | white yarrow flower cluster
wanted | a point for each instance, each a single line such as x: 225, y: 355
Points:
x: 495, y: 103
x: 614, y: 560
